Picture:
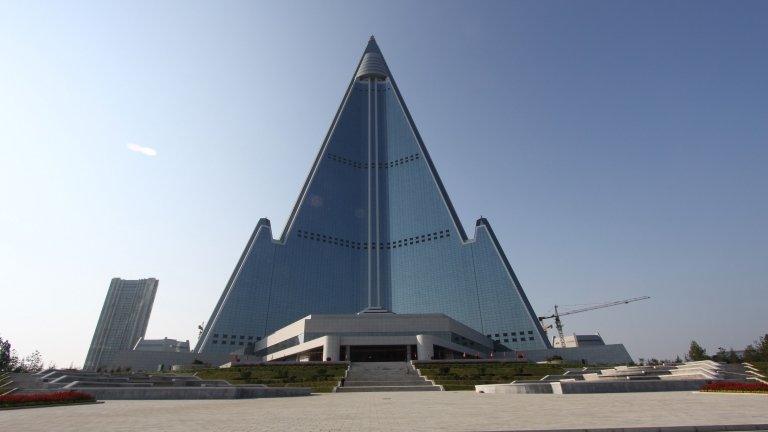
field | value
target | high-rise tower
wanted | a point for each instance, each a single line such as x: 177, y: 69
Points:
x: 123, y: 320
x: 373, y: 229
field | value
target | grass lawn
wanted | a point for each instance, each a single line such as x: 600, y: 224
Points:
x: 464, y: 376
x: 761, y: 366
x: 321, y: 378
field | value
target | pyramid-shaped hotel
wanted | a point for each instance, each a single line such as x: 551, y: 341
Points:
x: 373, y: 230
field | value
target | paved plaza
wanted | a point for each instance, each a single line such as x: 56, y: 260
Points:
x: 402, y: 411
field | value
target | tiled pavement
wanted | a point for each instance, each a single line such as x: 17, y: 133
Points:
x: 401, y: 411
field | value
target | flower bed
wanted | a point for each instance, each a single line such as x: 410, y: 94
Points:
x: 54, y: 398
x: 735, y: 387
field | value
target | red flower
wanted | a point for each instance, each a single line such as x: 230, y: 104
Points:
x: 733, y: 386
x: 45, y: 398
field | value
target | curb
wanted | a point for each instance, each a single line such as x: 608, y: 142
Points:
x: 700, y: 428
x: 50, y: 405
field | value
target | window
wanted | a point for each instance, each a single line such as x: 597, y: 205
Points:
x: 215, y: 341
x: 530, y: 331
x: 242, y: 337
x: 513, y: 333
x: 514, y: 339
x: 530, y: 338
x: 496, y: 335
x: 240, y: 343
x: 505, y: 334
x: 224, y: 336
x: 506, y: 340
x: 232, y: 343
x: 250, y: 337
x: 215, y: 335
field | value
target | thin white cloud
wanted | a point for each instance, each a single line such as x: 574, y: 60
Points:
x: 147, y: 151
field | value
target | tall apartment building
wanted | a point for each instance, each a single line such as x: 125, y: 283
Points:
x: 123, y: 320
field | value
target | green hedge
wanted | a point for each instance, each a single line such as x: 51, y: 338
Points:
x: 321, y: 378
x: 761, y: 366
x: 464, y: 376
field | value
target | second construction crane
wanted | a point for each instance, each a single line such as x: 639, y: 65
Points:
x: 558, y: 314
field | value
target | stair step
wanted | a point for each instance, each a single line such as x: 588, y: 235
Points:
x: 386, y: 389
x: 385, y: 383
x: 380, y: 377
x: 385, y: 377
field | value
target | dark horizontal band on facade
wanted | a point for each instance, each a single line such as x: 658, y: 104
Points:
x: 233, y: 340
x: 507, y: 335
x: 407, y: 241
x: 380, y: 165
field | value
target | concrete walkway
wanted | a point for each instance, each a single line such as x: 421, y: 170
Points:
x: 400, y: 411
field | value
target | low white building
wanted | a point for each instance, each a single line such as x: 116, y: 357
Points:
x: 578, y: 340
x: 162, y: 345
x: 369, y: 336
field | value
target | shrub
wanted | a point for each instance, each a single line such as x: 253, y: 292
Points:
x: 735, y: 387
x: 26, y: 399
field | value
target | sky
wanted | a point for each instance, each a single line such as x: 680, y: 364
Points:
x: 618, y: 148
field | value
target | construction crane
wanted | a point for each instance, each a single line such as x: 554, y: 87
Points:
x: 558, y: 314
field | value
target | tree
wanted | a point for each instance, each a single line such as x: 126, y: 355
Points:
x: 32, y: 363
x: 8, y: 359
x: 762, y: 348
x: 733, y: 357
x: 696, y: 352
x: 720, y: 356
x: 750, y: 353
x: 678, y: 360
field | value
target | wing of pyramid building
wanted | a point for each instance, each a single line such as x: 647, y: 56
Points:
x: 373, y: 229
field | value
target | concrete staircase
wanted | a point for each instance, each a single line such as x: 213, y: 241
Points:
x: 384, y: 376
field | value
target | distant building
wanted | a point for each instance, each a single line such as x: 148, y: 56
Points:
x: 574, y: 341
x: 151, y: 355
x: 123, y: 320
x: 161, y: 345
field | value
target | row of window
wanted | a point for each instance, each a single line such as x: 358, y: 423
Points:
x: 232, y: 339
x: 366, y: 165
x: 522, y: 339
x: 512, y: 335
x: 408, y: 241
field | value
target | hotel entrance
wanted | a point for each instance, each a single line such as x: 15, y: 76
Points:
x: 378, y: 353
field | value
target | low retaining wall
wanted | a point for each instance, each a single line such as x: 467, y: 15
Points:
x: 576, y: 387
x: 527, y: 388
x: 234, y: 392
x: 625, y: 386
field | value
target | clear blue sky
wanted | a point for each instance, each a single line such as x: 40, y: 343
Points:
x: 618, y: 149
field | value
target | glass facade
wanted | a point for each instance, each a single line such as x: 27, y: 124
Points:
x: 373, y: 228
